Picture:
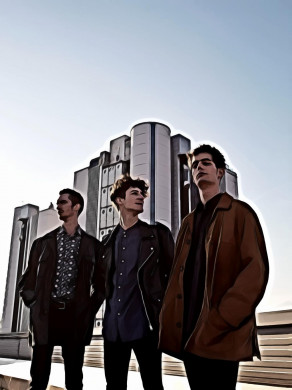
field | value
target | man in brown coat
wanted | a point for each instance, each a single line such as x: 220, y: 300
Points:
x: 219, y: 276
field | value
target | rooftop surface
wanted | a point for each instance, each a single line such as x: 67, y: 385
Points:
x: 14, y: 375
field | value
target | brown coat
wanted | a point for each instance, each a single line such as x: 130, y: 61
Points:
x: 236, y: 277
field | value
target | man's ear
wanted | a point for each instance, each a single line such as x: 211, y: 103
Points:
x: 221, y: 173
x: 119, y: 201
x: 76, y: 206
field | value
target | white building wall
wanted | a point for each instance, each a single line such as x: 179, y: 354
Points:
x: 119, y: 149
x: 162, y: 175
x: 81, y: 185
x: 48, y: 220
x: 229, y: 183
x: 27, y: 213
x: 140, y: 159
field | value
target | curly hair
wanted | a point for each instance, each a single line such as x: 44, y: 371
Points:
x: 123, y: 184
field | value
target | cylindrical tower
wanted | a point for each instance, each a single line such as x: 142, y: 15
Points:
x: 151, y: 161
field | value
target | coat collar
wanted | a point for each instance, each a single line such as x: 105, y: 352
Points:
x: 147, y: 231
x: 54, y: 232
x: 224, y: 204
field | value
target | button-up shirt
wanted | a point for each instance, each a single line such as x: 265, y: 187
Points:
x: 67, y: 264
x: 125, y: 316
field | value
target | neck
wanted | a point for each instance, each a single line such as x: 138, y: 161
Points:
x: 208, y: 193
x: 70, y: 226
x: 128, y: 220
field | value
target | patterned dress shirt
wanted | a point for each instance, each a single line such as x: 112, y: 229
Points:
x: 67, y: 264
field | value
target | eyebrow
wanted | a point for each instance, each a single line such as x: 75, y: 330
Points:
x: 62, y: 201
x: 204, y: 159
x: 196, y: 162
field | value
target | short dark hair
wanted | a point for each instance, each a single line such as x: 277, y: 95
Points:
x: 123, y: 184
x: 75, y: 197
x: 217, y: 156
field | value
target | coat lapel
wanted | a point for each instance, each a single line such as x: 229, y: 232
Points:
x: 148, y: 244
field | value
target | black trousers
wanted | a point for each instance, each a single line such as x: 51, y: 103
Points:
x: 210, y: 374
x: 61, y: 323
x: 117, y: 357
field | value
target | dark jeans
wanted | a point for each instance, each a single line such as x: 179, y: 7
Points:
x: 41, y: 366
x: 210, y: 374
x: 117, y: 357
x: 61, y: 323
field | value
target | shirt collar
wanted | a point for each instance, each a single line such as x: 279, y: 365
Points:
x: 138, y: 223
x: 211, y: 203
x: 62, y: 230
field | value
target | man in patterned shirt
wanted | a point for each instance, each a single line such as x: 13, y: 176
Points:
x: 64, y: 286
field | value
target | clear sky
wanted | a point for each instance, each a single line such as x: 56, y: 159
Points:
x: 75, y: 74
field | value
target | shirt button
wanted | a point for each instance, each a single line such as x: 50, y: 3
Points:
x: 181, y: 268
x: 178, y: 324
x: 188, y: 242
x: 121, y: 273
x: 119, y: 314
x: 123, y: 261
x: 179, y: 296
x: 119, y: 286
x: 124, y: 248
x: 119, y: 300
x: 152, y: 248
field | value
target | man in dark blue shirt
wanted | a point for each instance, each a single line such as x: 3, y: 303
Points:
x: 139, y: 258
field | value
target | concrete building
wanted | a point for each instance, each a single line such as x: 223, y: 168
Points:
x: 28, y: 223
x: 149, y: 152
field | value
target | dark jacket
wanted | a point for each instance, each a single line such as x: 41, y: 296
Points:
x: 236, y: 277
x: 35, y: 286
x: 155, y: 261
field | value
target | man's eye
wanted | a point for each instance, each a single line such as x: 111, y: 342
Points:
x: 206, y: 163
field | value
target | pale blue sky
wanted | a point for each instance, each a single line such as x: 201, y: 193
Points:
x: 75, y: 74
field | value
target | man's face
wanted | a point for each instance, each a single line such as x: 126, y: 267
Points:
x: 204, y: 171
x: 134, y: 200
x: 65, y: 207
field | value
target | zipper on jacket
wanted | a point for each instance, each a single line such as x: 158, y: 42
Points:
x: 151, y: 328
